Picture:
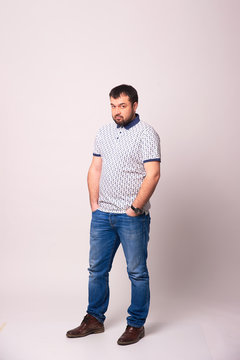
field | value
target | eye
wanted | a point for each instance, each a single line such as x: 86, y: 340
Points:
x: 123, y: 106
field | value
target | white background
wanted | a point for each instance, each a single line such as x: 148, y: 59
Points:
x: 59, y: 60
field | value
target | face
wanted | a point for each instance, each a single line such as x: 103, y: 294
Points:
x: 123, y: 111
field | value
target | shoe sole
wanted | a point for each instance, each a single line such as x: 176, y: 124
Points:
x: 88, y: 333
x: 131, y: 342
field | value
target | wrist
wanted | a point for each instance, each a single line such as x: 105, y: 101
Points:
x: 94, y: 206
x: 136, y: 210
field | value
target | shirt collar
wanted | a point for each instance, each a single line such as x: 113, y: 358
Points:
x: 134, y: 122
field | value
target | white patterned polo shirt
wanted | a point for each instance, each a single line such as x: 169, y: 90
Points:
x: 124, y: 150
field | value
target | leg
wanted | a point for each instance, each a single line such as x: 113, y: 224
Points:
x: 104, y: 243
x: 134, y: 236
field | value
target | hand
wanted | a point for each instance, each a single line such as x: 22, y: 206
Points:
x: 130, y: 212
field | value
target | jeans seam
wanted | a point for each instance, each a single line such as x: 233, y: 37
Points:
x: 112, y: 256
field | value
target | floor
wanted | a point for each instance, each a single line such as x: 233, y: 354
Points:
x: 35, y: 330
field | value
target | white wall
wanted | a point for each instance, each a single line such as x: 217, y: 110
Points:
x: 59, y: 60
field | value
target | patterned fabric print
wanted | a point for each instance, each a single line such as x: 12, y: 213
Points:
x: 124, y: 151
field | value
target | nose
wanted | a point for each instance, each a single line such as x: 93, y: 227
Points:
x: 117, y: 111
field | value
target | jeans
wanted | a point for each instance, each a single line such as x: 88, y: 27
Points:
x: 108, y: 230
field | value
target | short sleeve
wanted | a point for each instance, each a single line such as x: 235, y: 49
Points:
x: 150, y: 146
x: 96, y: 148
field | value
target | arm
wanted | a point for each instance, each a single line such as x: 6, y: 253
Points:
x: 148, y: 186
x: 93, y: 179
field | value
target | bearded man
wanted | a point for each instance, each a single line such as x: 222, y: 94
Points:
x: 123, y: 175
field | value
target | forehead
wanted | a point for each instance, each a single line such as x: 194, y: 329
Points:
x: 121, y: 99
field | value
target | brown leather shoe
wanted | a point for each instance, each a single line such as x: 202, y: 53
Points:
x: 131, y: 335
x: 89, y: 325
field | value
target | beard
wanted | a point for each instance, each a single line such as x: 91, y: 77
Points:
x: 121, y: 121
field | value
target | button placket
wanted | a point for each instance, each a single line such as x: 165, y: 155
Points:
x: 119, y: 134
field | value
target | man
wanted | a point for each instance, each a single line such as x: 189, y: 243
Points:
x: 122, y: 177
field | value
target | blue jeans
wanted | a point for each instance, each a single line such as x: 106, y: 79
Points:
x: 108, y: 230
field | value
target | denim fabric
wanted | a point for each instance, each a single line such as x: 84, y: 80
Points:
x: 108, y: 230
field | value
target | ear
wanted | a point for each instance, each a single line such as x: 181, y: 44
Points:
x: 135, y: 105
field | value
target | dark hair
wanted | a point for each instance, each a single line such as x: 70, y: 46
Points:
x: 126, y: 90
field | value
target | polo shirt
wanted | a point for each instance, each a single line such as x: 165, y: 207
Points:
x: 124, y: 150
